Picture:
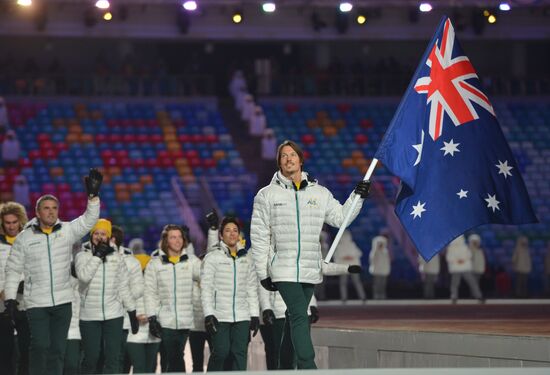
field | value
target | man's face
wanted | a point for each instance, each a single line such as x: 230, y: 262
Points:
x: 11, y: 225
x: 289, y: 161
x: 47, y: 213
x: 175, y: 240
x: 100, y: 235
x: 230, y: 234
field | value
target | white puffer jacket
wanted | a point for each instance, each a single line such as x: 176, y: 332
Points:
x: 459, y: 256
x: 169, y: 290
x: 229, y: 287
x: 379, y: 257
x: 45, y: 260
x: 5, y: 249
x: 198, y: 314
x: 104, y: 292
x: 143, y: 336
x: 136, y: 284
x: 74, y: 328
x: 292, y: 220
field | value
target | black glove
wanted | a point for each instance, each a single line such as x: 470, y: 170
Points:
x: 93, y: 182
x: 268, y: 284
x: 155, y: 329
x: 133, y: 321
x: 362, y: 189
x: 314, y: 317
x: 21, y: 287
x: 354, y: 269
x: 269, y: 317
x: 212, y: 219
x: 211, y: 324
x: 254, y: 325
x: 101, y: 250
x: 11, y: 308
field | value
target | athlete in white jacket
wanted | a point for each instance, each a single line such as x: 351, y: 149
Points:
x: 104, y: 297
x: 43, y: 252
x: 168, y: 295
x: 288, y: 215
x: 229, y: 298
x: 459, y: 260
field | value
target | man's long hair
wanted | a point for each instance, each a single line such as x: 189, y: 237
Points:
x: 13, y: 208
x: 164, y: 236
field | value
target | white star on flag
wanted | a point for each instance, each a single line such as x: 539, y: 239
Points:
x: 450, y: 148
x: 492, y: 202
x: 418, y: 148
x: 418, y: 209
x: 462, y: 194
x: 504, y: 168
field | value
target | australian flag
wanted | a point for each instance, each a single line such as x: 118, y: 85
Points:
x: 445, y: 144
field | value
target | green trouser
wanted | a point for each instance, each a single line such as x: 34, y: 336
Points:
x: 72, y: 358
x: 230, y: 341
x: 97, y: 334
x: 143, y: 357
x: 297, y: 297
x: 174, y: 343
x: 272, y: 336
x: 23, y: 342
x: 196, y: 342
x: 49, y: 327
x: 124, y: 360
x: 7, y: 343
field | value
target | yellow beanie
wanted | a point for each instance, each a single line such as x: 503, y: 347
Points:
x: 102, y: 224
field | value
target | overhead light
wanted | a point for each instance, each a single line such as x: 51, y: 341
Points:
x: 425, y: 7
x: 361, y: 19
x: 269, y: 7
x: 24, y: 3
x: 505, y: 7
x: 237, y: 17
x: 346, y: 7
x: 486, y: 13
x: 190, y: 5
x: 108, y: 16
x: 102, y: 4
x: 491, y: 19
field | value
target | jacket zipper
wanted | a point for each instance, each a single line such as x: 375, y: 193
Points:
x: 234, y: 286
x: 175, y: 296
x: 103, y: 293
x: 299, y: 240
x: 50, y: 264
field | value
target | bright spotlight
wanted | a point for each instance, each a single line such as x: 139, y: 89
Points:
x: 24, y: 3
x: 491, y: 19
x: 102, y: 4
x: 108, y: 16
x: 425, y: 7
x: 237, y: 18
x: 361, y: 19
x: 505, y: 7
x: 268, y: 7
x: 190, y: 5
x: 346, y: 7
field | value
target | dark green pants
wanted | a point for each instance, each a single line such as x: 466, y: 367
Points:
x: 197, y: 340
x: 49, y: 327
x: 124, y: 360
x: 297, y: 297
x: 231, y: 341
x: 174, y: 343
x: 23, y: 342
x: 272, y: 336
x: 143, y: 357
x: 72, y: 358
x: 7, y: 343
x: 97, y: 334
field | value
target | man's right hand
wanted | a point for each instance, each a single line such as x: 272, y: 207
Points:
x: 212, y: 220
x: 155, y: 329
x: 268, y: 284
x: 211, y: 324
x: 269, y: 317
x: 93, y: 183
x: 11, y: 308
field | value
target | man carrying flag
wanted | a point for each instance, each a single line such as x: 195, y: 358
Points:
x: 444, y: 142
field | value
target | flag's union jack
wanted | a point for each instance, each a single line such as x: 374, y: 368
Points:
x: 446, y: 86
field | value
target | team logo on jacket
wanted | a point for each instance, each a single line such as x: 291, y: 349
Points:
x: 279, y: 204
x: 312, y: 202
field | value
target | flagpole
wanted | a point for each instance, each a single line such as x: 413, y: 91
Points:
x: 354, y: 202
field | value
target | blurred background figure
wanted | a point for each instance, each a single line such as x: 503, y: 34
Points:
x: 429, y: 272
x: 379, y: 266
x: 459, y: 260
x: 347, y: 252
x: 21, y: 191
x: 10, y: 149
x: 478, y: 256
x: 522, y: 265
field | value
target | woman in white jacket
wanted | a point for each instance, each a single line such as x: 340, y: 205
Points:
x: 347, y: 252
x: 459, y: 261
x: 169, y: 293
x: 104, y: 296
x: 229, y: 298
x: 379, y: 266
